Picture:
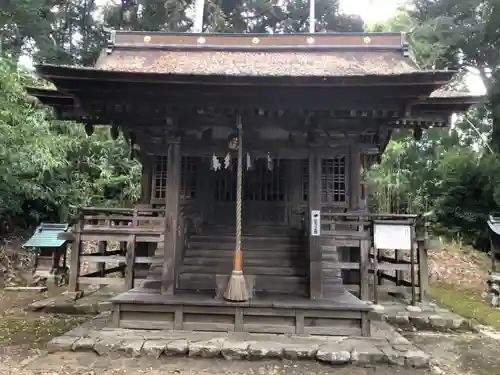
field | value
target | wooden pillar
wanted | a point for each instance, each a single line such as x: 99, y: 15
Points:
x: 130, y: 263
x: 76, y: 249
x: 315, y: 255
x: 354, y: 173
x: 423, y: 266
x: 146, y: 179
x: 101, y: 266
x: 172, y: 207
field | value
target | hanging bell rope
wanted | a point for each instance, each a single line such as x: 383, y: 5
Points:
x: 236, y: 287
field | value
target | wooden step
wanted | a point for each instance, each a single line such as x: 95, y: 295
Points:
x: 271, y: 229
x: 250, y: 239
x: 252, y: 270
x: 269, y: 284
x: 262, y: 246
x: 262, y: 254
x: 256, y: 262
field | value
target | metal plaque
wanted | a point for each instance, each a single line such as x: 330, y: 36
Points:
x: 392, y: 236
x: 315, y: 223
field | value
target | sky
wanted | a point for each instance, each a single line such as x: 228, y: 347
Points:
x: 371, y: 10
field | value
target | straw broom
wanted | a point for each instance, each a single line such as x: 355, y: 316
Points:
x: 236, y: 287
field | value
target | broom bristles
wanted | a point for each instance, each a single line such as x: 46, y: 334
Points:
x: 236, y: 290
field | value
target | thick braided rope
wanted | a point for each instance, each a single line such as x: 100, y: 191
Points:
x: 239, y: 183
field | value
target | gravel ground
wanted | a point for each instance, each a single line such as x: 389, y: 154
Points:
x: 24, y: 334
x: 461, y: 354
x: 85, y: 363
x: 464, y: 354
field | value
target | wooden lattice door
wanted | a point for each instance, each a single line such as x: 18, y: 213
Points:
x: 264, y: 193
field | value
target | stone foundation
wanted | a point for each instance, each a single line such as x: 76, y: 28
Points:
x: 423, y: 317
x: 385, y: 347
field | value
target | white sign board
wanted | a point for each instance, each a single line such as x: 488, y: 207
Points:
x: 315, y: 223
x: 392, y: 236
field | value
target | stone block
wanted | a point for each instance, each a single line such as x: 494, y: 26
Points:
x: 61, y: 343
x: 300, y: 350
x: 392, y: 357
x: 265, y: 349
x: 416, y: 359
x: 399, y: 340
x: 177, y: 348
x: 334, y: 354
x: 154, y: 348
x: 131, y: 348
x: 73, y: 296
x: 106, y: 346
x: 399, y: 320
x: 84, y: 344
x: 366, y: 354
x: 413, y: 309
x: 421, y: 322
x: 235, y: 349
x: 439, y: 322
x: 205, y: 348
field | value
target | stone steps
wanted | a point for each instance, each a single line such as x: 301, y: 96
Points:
x: 394, y: 350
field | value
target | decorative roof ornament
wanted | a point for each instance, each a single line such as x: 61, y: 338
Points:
x: 215, y: 165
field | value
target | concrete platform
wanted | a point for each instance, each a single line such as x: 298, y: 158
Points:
x: 385, y: 346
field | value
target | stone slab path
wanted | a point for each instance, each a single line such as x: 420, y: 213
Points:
x: 385, y: 346
x: 425, y: 316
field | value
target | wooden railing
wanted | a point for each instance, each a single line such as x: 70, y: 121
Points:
x: 128, y: 219
x: 128, y: 226
x: 355, y: 230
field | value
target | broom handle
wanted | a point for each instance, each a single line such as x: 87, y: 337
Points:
x: 239, y: 182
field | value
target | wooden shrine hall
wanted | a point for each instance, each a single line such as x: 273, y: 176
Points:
x: 261, y: 139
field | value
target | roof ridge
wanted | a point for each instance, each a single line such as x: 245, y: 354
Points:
x: 244, y: 42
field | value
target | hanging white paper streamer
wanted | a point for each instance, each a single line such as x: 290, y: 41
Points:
x: 227, y: 161
x: 249, y: 162
x: 216, y: 166
x: 269, y: 162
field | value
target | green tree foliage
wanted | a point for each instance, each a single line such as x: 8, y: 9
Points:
x: 234, y: 16
x: 49, y: 167
x: 453, y: 173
